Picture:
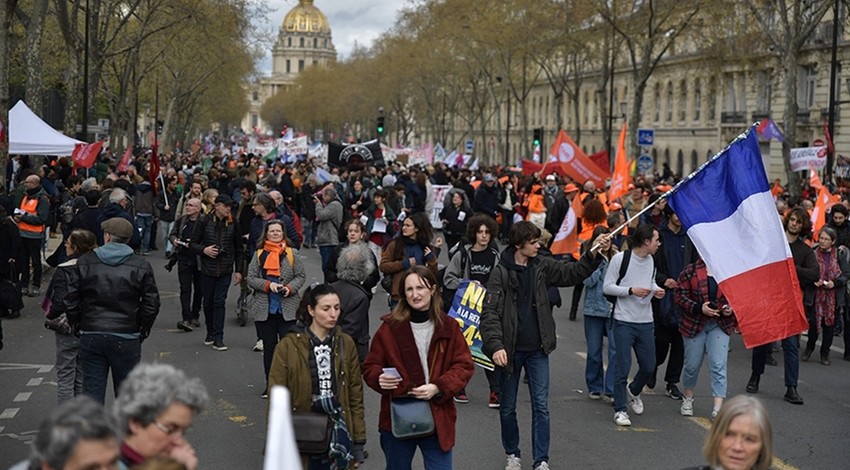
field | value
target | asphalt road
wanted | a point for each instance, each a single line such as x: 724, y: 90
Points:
x: 230, y: 434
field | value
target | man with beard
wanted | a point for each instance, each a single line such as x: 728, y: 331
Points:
x: 838, y: 222
x: 31, y: 214
x: 797, y: 226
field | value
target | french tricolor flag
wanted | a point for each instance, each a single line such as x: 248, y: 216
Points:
x: 728, y: 211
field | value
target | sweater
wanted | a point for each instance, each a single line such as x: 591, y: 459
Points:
x: 640, y: 273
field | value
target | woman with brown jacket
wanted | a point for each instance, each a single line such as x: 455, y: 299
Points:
x: 319, y: 366
x: 411, y: 248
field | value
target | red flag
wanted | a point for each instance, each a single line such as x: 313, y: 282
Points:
x: 153, y: 174
x: 575, y: 162
x: 84, y: 155
x: 622, y: 176
x: 124, y: 164
x: 829, y: 147
x: 601, y: 159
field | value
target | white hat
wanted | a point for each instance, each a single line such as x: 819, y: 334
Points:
x: 550, y: 178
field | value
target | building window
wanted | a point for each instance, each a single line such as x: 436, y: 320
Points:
x: 255, y: 96
x: 697, y: 99
x: 712, y: 99
x: 302, y: 42
x: 731, y: 98
x: 586, y: 108
x: 255, y: 121
x: 694, y: 160
x: 669, y: 103
x: 288, y: 66
x: 763, y: 91
x: 657, y: 102
x: 806, y: 87
x: 315, y: 43
x: 289, y: 42
x: 683, y: 101
x: 300, y: 65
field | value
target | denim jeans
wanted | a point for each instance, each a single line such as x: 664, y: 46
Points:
x: 101, y: 353
x: 598, y: 380
x: 640, y: 337
x: 69, y: 367
x: 791, y: 354
x: 190, y: 291
x: 145, y: 222
x: 537, y: 370
x: 214, y: 290
x: 326, y: 252
x: 399, y: 452
x: 165, y: 230
x: 713, y: 342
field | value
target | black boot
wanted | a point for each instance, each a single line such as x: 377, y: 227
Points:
x: 791, y: 396
x: 753, y: 384
x: 573, y: 314
x: 807, y: 353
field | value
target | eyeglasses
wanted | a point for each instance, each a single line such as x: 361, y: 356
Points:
x: 170, y: 430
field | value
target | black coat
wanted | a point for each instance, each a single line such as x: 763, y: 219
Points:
x: 210, y: 230
x: 354, y: 313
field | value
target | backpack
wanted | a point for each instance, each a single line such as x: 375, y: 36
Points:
x: 624, y: 266
x: 448, y: 295
x: 66, y: 212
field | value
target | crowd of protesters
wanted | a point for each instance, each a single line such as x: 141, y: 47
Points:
x: 227, y: 220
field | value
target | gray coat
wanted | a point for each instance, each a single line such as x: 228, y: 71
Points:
x: 292, y: 276
x: 330, y: 218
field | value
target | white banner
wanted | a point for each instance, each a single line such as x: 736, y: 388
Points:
x: 297, y: 146
x: 440, y: 191
x: 803, y: 158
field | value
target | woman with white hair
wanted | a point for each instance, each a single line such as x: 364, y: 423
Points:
x: 155, y: 408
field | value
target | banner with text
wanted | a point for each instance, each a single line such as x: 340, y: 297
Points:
x: 440, y: 191
x: 805, y: 157
x: 466, y: 310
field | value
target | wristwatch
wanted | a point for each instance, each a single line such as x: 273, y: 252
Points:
x: 630, y: 291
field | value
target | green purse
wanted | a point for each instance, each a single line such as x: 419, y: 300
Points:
x: 411, y: 418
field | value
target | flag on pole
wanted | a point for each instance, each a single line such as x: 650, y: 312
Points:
x: 272, y: 155
x: 814, y: 179
x: 84, y: 155
x: 124, y: 164
x: 566, y: 240
x: 829, y: 146
x: 450, y: 158
x: 728, y: 211
x: 153, y: 174
x: 574, y: 162
x: 824, y: 202
x: 621, y: 178
x: 767, y: 129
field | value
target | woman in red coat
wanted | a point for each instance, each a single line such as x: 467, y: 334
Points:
x: 432, y: 358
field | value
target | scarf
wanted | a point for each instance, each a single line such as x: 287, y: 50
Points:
x: 272, y: 263
x: 825, y: 299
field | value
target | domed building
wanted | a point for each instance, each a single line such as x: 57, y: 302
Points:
x: 304, y: 40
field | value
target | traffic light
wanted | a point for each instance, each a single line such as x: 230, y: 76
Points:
x: 380, y: 126
x: 538, y: 136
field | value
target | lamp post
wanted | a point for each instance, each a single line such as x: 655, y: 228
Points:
x: 85, y: 127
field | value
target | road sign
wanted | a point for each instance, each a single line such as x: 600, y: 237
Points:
x: 646, y: 136
x: 644, y: 164
x: 645, y: 149
x: 470, y: 146
x: 817, y: 143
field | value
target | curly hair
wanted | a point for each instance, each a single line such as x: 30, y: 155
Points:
x: 594, y: 212
x: 476, y: 221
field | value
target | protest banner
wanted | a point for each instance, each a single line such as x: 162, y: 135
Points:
x: 440, y: 191
x: 805, y: 157
x: 466, y: 310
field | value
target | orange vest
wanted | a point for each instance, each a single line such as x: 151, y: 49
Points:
x: 30, y: 206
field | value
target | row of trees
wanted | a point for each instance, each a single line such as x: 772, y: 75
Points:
x: 449, y: 69
x: 195, y: 55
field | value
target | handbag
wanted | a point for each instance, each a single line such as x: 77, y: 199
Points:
x: 411, y: 418
x: 312, y: 432
x: 387, y: 283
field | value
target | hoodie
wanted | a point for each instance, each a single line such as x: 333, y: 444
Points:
x: 113, y: 254
x: 528, y: 327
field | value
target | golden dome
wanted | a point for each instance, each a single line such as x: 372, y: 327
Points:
x: 306, y: 18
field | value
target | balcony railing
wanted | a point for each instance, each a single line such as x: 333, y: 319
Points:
x: 733, y: 117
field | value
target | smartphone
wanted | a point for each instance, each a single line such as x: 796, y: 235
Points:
x: 393, y: 372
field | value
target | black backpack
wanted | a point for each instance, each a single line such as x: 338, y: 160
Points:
x: 624, y: 266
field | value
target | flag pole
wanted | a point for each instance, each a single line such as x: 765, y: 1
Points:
x: 684, y: 180
x: 164, y: 192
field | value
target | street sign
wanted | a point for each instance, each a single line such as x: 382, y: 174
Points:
x: 470, y: 146
x: 817, y: 143
x: 645, y: 149
x: 646, y: 137
x: 644, y: 164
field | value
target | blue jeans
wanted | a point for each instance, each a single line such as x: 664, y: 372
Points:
x: 102, y: 352
x: 399, y: 452
x: 598, y: 380
x: 713, y: 342
x: 145, y: 222
x: 640, y: 337
x: 326, y: 252
x: 214, y: 289
x: 537, y: 370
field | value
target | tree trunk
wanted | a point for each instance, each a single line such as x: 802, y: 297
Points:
x: 789, y: 117
x: 7, y: 7
x: 32, y: 69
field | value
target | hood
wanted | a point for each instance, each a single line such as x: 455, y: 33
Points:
x: 507, y: 260
x: 113, y: 254
x: 114, y: 210
x: 145, y: 187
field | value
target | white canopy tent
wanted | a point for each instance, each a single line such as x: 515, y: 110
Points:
x: 29, y: 135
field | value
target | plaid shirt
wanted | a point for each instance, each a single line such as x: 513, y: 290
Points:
x: 691, y: 294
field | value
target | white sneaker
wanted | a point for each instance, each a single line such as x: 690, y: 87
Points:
x: 513, y: 463
x: 622, y: 418
x: 259, y: 346
x: 714, y: 414
x: 542, y: 466
x: 635, y: 403
x: 687, y: 408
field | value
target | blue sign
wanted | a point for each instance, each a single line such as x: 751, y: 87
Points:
x: 644, y: 164
x: 646, y: 136
x: 470, y: 145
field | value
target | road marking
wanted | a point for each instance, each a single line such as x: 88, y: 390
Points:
x: 35, y: 382
x: 164, y: 354
x: 24, y: 396
x: 230, y: 411
x: 9, y: 413
x: 42, y: 368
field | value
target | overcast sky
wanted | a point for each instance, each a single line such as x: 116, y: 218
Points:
x: 352, y: 21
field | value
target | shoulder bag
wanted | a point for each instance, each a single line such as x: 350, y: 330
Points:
x: 411, y: 418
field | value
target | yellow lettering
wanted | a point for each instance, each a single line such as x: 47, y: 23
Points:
x: 473, y: 297
x: 469, y: 334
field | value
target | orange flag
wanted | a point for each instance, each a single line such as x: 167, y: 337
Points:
x: 566, y: 240
x: 824, y: 202
x: 814, y: 179
x: 622, y: 177
x: 577, y: 205
x: 575, y: 163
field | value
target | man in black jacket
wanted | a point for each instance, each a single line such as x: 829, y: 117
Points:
x: 354, y: 266
x: 114, y: 299
x: 188, y: 274
x: 217, y: 240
